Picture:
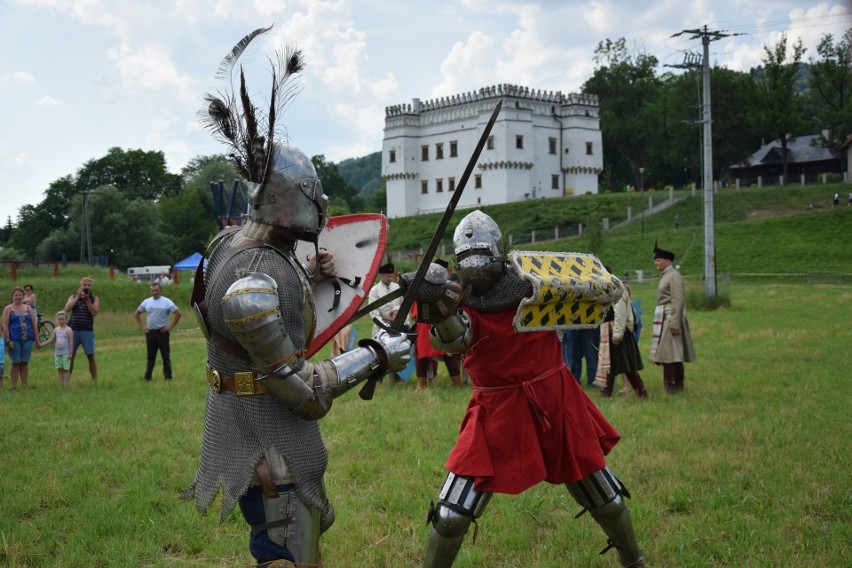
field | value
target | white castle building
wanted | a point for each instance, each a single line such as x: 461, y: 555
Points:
x: 543, y: 144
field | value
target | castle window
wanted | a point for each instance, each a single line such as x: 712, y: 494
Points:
x: 554, y: 182
x: 439, y: 186
x: 454, y: 149
x: 519, y: 141
x: 589, y: 149
x: 451, y: 183
x: 424, y: 187
x: 424, y: 153
x: 392, y: 156
x: 490, y: 143
x: 552, y: 144
x: 439, y: 151
x: 477, y: 181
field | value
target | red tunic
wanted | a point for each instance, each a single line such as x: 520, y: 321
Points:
x: 528, y: 420
x: 423, y: 344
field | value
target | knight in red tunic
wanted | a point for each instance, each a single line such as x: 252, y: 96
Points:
x: 528, y: 420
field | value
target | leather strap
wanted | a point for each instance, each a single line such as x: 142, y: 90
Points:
x: 266, y: 483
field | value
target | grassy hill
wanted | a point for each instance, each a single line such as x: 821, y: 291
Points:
x: 774, y: 229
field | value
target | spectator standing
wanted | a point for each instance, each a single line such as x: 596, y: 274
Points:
x: 579, y: 344
x: 83, y: 307
x: 836, y: 201
x: 386, y: 285
x: 30, y: 298
x: 386, y: 312
x: 20, y: 323
x: 2, y: 354
x: 163, y: 279
x: 671, y: 345
x: 677, y: 221
x: 63, y: 337
x: 157, y: 328
x: 624, y: 354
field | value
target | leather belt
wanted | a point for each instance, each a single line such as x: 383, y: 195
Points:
x: 243, y: 384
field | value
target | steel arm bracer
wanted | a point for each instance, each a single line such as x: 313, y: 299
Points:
x: 309, y: 392
x: 453, y: 335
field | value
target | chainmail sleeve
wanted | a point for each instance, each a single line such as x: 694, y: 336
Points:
x: 238, y: 429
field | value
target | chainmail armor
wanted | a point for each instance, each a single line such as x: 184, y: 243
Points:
x: 506, y: 293
x: 238, y: 429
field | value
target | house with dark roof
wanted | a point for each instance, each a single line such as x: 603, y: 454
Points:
x: 847, y: 148
x: 809, y: 156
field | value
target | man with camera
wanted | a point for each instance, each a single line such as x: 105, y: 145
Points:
x: 83, y: 307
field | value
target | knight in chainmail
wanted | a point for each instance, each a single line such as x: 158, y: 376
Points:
x: 528, y: 420
x: 262, y: 446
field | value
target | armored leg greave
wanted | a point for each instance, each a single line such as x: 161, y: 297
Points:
x: 283, y: 527
x: 459, y: 504
x: 602, y: 494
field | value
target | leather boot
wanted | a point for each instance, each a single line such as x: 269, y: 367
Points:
x: 422, y: 383
x: 638, y: 385
x: 456, y: 381
x: 607, y: 389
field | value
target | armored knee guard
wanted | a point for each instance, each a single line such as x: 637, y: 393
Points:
x: 283, y: 527
x: 602, y: 494
x: 459, y: 504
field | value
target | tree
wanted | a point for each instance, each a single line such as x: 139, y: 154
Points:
x: 778, y: 107
x: 189, y: 218
x: 830, y: 86
x: 625, y: 84
x: 126, y: 231
x: 379, y: 200
x: 334, y: 186
x: 136, y: 173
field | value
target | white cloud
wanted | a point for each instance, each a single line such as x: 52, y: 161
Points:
x: 149, y: 68
x: 48, y: 101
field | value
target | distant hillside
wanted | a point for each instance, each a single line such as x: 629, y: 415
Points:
x: 789, y: 229
x: 364, y: 174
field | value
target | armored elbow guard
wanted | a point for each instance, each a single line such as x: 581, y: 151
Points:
x: 252, y: 312
x: 452, y: 335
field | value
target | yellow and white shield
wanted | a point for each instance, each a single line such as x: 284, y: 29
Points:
x: 570, y: 290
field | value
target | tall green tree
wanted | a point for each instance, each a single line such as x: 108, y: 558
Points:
x: 126, y: 231
x: 778, y: 108
x: 189, y: 218
x: 136, y: 173
x: 830, y: 86
x: 626, y: 84
x: 334, y: 185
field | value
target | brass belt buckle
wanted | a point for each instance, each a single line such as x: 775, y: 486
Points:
x: 244, y: 383
x: 214, y: 380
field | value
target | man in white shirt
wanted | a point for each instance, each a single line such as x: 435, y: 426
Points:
x: 157, y: 328
x: 386, y: 312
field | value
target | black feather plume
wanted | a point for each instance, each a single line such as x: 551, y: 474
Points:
x: 235, y: 120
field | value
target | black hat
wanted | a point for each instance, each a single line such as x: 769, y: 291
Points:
x: 442, y: 262
x: 660, y: 253
x: 386, y: 268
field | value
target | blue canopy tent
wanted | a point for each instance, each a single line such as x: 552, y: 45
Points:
x: 190, y: 262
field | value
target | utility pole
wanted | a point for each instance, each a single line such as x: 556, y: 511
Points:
x: 706, y: 121
x: 85, y: 231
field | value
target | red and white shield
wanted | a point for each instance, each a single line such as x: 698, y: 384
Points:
x: 358, y: 244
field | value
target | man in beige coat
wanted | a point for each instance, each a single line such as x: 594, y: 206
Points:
x: 671, y: 345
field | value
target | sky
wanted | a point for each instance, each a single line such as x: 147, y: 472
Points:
x: 83, y: 76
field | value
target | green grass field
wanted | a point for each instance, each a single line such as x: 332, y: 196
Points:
x: 749, y: 467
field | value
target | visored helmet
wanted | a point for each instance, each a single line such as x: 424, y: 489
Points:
x: 478, y: 246
x: 291, y: 196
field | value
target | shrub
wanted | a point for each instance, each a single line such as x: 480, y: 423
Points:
x: 699, y: 300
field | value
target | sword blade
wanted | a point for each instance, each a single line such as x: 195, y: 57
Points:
x: 369, y: 387
x: 408, y: 299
